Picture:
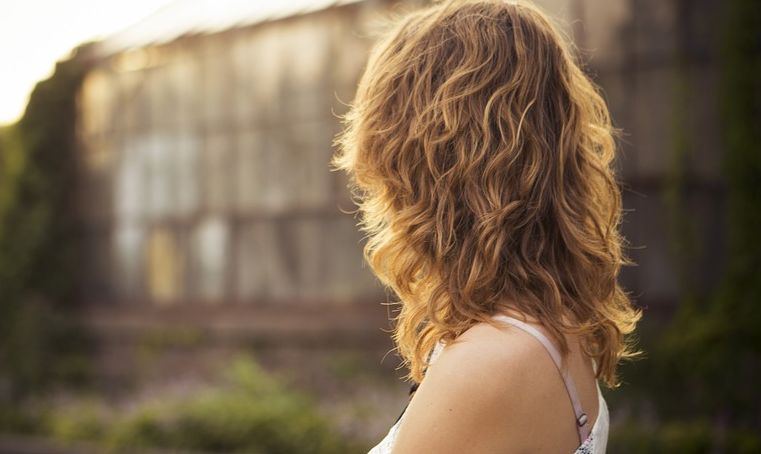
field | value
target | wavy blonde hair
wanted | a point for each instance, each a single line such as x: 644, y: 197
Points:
x: 480, y: 157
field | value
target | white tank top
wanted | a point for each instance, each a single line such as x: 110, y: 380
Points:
x: 592, y: 441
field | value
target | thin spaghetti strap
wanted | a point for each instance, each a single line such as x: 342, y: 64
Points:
x: 581, y: 417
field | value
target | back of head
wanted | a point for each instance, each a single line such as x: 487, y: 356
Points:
x: 480, y: 156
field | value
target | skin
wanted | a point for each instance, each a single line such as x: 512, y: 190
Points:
x: 481, y: 396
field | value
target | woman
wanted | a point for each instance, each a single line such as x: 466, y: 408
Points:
x: 480, y: 156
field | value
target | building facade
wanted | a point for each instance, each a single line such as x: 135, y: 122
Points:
x: 206, y: 136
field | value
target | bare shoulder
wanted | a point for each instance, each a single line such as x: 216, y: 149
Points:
x: 501, y: 343
x: 478, y: 396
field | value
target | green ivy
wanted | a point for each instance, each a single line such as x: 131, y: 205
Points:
x: 720, y: 343
x: 707, y: 362
x: 40, y: 343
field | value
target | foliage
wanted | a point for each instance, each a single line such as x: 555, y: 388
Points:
x: 719, y: 341
x: 39, y: 344
x: 682, y: 437
x: 706, y: 365
x: 250, y: 412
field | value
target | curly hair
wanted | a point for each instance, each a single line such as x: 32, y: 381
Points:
x: 480, y: 156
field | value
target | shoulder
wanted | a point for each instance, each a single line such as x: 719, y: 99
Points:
x: 494, y: 352
x: 479, y: 394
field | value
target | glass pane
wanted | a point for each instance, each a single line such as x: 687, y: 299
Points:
x: 160, y: 176
x: 219, y: 172
x: 253, y: 262
x: 187, y: 174
x: 309, y: 155
x: 131, y: 195
x: 308, y: 239
x: 307, y: 44
x: 347, y: 276
x: 128, y: 262
x: 244, y: 60
x: 267, y: 262
x: 97, y: 103
x: 278, y: 187
x: 252, y: 169
x: 217, y: 79
x: 268, y: 70
x: 210, y: 257
x: 165, y: 266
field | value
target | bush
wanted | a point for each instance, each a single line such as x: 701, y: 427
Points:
x: 252, y: 414
x: 683, y: 437
x: 250, y: 411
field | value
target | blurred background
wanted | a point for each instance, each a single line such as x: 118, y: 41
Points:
x: 180, y: 271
